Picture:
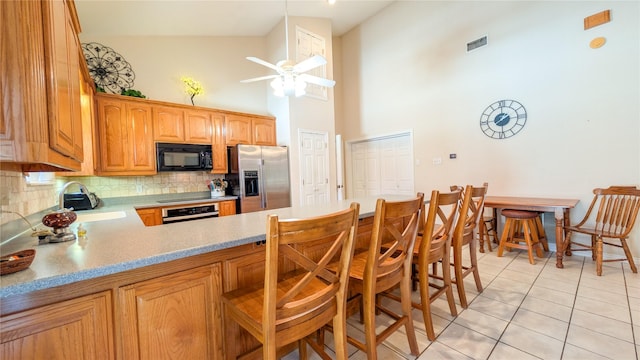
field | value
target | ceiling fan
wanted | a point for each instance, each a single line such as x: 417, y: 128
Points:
x: 291, y: 78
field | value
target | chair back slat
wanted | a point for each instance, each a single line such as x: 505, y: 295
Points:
x: 617, y: 212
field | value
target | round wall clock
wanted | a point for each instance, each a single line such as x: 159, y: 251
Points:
x: 503, y: 119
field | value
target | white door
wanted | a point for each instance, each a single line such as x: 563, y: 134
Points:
x: 314, y: 165
x: 381, y: 166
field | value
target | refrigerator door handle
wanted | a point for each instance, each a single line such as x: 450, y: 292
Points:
x: 262, y: 188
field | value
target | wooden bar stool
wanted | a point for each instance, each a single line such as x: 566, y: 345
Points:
x: 527, y: 221
x: 293, y: 305
x: 542, y: 235
x: 387, y: 265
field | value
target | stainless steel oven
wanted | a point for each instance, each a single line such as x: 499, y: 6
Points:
x: 190, y: 212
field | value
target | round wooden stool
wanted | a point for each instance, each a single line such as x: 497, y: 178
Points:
x: 527, y: 221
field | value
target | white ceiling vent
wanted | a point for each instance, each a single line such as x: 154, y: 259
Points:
x: 477, y: 43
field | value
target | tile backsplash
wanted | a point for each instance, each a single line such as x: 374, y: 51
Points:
x: 17, y: 195
x: 164, y: 183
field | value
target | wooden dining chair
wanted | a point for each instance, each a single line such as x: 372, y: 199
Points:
x: 293, y: 305
x: 386, y: 265
x: 611, y: 215
x: 463, y: 234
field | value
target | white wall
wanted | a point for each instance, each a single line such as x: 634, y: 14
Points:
x: 217, y: 62
x: 306, y: 113
x: 407, y: 67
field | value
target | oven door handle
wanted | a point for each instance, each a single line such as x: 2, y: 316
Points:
x: 193, y: 216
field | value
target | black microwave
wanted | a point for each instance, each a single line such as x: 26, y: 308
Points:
x: 183, y: 157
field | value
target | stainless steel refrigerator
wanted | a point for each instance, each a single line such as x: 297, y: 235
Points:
x: 263, y: 176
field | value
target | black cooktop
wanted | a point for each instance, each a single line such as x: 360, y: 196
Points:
x: 184, y: 199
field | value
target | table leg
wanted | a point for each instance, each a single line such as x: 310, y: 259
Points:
x: 560, y: 219
x: 481, y: 232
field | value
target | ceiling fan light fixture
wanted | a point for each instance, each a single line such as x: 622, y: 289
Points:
x: 291, y: 78
x: 287, y: 85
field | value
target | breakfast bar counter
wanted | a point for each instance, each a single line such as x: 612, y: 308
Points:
x: 126, y: 290
x: 116, y: 245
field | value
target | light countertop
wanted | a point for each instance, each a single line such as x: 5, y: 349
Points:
x: 117, y: 245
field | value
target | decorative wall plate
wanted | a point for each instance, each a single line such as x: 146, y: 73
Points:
x: 108, y: 69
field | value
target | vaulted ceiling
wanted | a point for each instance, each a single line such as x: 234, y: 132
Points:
x: 214, y: 17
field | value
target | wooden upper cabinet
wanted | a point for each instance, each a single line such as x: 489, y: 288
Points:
x: 88, y: 134
x: 219, y: 145
x: 197, y: 127
x: 125, y: 137
x: 63, y: 86
x: 177, y: 125
x: 250, y: 130
x: 238, y: 130
x: 264, y: 131
x: 40, y: 125
x: 168, y: 124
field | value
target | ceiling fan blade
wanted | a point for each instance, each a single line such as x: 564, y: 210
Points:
x: 310, y: 63
x: 317, y: 80
x: 263, y: 63
x: 259, y: 78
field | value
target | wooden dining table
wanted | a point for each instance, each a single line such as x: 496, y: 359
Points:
x: 560, y: 207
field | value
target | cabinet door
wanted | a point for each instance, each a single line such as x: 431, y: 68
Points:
x: 112, y: 135
x: 238, y: 130
x: 168, y: 124
x: 126, y: 145
x: 74, y: 329
x: 150, y: 217
x: 227, y: 208
x: 264, y: 131
x: 65, y: 122
x: 174, y: 314
x: 197, y: 127
x: 141, y: 145
x: 242, y: 272
x: 219, y: 145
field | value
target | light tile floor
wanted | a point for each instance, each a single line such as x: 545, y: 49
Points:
x: 528, y: 312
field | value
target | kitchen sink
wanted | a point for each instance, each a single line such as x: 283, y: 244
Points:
x: 99, y: 216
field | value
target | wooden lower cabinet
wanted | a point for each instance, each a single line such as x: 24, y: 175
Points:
x: 173, y: 316
x: 150, y: 217
x: 80, y: 328
x: 227, y: 208
x: 242, y: 272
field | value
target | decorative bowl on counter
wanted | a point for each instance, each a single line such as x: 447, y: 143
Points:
x: 17, y: 261
x: 59, y: 219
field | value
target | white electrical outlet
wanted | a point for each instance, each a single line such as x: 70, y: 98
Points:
x: 139, y: 188
x: 437, y: 160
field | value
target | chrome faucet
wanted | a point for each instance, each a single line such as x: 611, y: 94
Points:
x: 83, y: 189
